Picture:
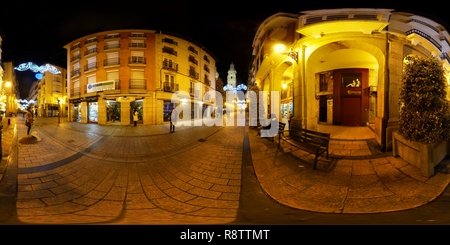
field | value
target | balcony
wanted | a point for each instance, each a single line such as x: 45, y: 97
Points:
x: 76, y: 46
x: 206, y: 59
x: 111, y: 46
x: 207, y: 81
x: 137, y: 60
x: 109, y: 37
x: 90, y: 51
x: 193, y: 60
x: 140, y: 35
x: 90, y: 67
x: 192, y: 49
x: 206, y: 68
x: 169, y: 65
x: 425, y: 36
x: 111, y: 62
x: 169, y: 40
x: 194, y: 92
x: 75, y: 58
x: 170, y: 51
x: 94, y: 40
x: 446, y: 57
x: 75, y: 72
x: 193, y: 74
x: 136, y: 45
x: 138, y: 83
x: 168, y: 87
x: 75, y: 91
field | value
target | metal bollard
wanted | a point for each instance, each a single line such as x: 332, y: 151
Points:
x: 9, y: 121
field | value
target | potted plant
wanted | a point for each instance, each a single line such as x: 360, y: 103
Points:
x: 424, y: 119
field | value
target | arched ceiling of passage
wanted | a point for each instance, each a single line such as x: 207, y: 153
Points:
x: 346, y: 58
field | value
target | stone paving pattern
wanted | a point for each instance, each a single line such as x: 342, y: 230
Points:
x: 88, y: 174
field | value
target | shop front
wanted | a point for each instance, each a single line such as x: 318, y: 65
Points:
x: 351, y: 98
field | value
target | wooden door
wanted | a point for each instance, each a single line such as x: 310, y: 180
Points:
x: 350, y: 111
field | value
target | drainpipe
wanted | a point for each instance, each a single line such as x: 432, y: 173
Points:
x: 385, y: 118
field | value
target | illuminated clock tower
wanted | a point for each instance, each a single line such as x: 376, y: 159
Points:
x: 231, y: 79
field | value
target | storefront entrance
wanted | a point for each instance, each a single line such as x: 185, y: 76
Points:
x: 351, y: 99
x: 350, y: 111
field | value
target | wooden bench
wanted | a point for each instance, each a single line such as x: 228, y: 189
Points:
x: 308, y: 140
x: 281, y: 127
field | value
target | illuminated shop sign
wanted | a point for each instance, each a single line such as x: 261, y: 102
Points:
x: 101, y: 86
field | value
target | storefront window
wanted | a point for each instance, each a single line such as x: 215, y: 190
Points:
x: 136, y: 105
x: 93, y: 112
x: 76, y: 113
x: 168, y: 106
x: 113, y: 111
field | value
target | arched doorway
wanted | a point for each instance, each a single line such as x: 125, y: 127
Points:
x: 344, y: 73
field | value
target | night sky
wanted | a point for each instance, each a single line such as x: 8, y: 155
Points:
x: 37, y: 32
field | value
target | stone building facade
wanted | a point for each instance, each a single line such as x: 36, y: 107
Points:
x: 343, y: 66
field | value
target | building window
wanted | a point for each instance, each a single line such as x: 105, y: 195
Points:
x: 206, y: 58
x: 193, y: 50
x: 193, y: 73
x: 170, y: 65
x: 57, y: 84
x: 206, y: 68
x: 169, y: 50
x: 112, y: 36
x: 207, y: 81
x: 90, y: 40
x: 112, y: 45
x: 90, y: 50
x: 169, y: 83
x: 193, y: 60
x: 169, y: 40
x: 137, y: 44
x: 137, y: 35
x: 137, y: 80
x: 75, y: 46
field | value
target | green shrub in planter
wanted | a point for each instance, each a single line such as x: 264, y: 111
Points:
x: 424, y: 111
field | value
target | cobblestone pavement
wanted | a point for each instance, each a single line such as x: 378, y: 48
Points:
x: 92, y: 174
x: 85, y: 174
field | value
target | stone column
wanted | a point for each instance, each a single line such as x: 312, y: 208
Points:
x: 125, y: 113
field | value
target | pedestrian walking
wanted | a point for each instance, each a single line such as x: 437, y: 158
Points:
x: 173, y: 120
x: 29, y: 120
x: 135, y: 117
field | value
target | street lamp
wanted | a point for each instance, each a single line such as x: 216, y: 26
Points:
x: 59, y: 111
x: 280, y: 48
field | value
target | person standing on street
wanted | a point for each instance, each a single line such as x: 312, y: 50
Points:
x: 135, y: 117
x: 173, y: 120
x: 29, y: 120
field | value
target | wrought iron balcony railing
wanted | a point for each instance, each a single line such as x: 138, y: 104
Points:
x: 138, y: 83
x: 170, y: 87
x: 136, y: 60
x: 111, y: 46
x: 136, y: 45
x: 90, y: 66
x: 426, y: 36
x: 75, y: 72
x: 90, y: 51
x: 111, y: 62
x: 169, y: 65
